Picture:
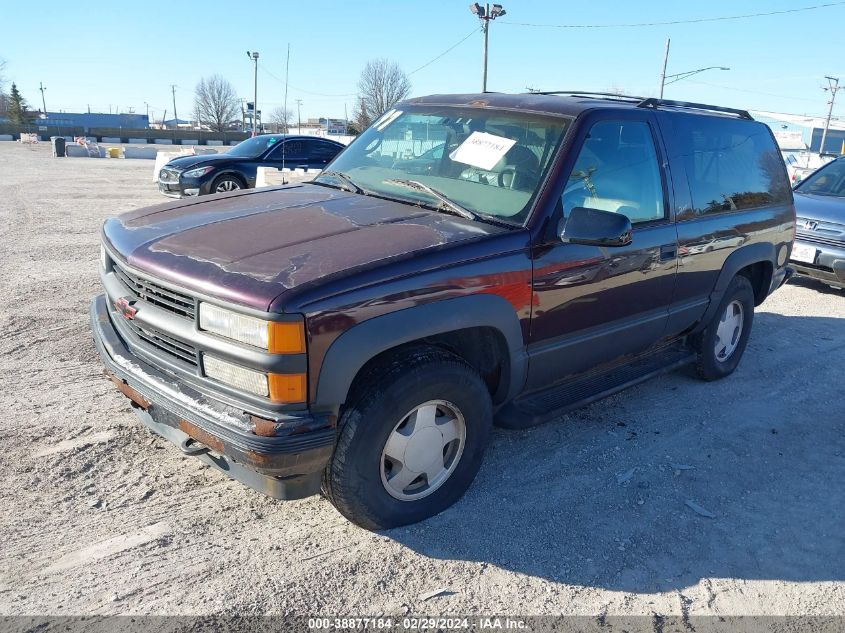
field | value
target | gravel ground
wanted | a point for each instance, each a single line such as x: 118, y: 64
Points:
x: 594, y: 514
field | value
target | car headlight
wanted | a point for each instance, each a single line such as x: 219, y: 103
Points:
x: 277, y: 337
x: 198, y: 172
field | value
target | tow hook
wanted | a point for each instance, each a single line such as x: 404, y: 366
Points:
x: 189, y: 446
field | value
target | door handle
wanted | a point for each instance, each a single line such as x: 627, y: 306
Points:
x: 668, y: 252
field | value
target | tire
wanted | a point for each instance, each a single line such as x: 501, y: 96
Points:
x: 387, y: 405
x: 226, y: 183
x: 720, y: 348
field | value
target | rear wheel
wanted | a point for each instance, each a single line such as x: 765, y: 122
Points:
x: 721, y: 345
x: 411, y: 442
x: 226, y: 183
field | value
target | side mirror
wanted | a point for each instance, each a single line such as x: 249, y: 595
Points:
x: 594, y: 227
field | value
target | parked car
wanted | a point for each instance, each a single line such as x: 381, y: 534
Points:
x: 819, y: 250
x: 801, y: 164
x: 363, y: 332
x: 237, y: 168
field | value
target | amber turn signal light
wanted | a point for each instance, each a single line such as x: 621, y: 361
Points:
x: 285, y: 337
x: 287, y: 388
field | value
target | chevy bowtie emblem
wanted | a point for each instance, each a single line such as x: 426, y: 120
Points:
x: 125, y: 307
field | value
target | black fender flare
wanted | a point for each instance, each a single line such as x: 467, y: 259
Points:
x: 362, y: 342
x: 736, y: 261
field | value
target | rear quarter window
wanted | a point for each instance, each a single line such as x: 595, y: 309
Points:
x: 731, y: 165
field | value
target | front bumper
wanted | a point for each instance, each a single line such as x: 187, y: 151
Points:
x: 283, y: 467
x: 180, y: 189
x: 828, y: 265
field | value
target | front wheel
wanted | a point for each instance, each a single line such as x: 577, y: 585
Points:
x: 411, y: 442
x: 226, y: 184
x: 721, y: 345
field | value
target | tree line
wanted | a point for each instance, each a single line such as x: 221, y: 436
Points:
x: 217, y: 107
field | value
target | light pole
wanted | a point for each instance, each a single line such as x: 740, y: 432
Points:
x: 254, y: 56
x: 485, y: 14
x: 679, y: 76
x: 833, y: 83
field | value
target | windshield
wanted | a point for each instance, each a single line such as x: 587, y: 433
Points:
x: 828, y: 181
x: 488, y: 162
x: 254, y: 147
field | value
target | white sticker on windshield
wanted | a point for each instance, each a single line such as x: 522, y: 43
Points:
x: 386, y: 119
x: 482, y: 150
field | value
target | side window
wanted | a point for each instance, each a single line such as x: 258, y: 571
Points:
x: 294, y: 150
x: 322, y: 151
x: 617, y: 170
x: 731, y: 164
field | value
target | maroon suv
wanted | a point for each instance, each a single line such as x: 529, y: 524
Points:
x: 468, y: 260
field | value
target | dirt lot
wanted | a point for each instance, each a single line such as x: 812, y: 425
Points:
x: 586, y: 515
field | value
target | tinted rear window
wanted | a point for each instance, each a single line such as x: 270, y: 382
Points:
x: 731, y: 164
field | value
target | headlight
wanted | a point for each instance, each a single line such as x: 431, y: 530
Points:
x: 274, y: 336
x: 196, y: 173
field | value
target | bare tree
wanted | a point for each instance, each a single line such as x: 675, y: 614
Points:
x: 381, y: 86
x: 216, y: 103
x: 279, y: 119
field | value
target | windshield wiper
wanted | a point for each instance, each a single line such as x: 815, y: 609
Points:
x: 346, y: 180
x: 446, y: 203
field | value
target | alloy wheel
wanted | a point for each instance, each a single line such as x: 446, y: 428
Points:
x: 423, y: 450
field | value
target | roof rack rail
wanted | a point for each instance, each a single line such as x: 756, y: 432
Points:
x: 587, y: 93
x: 651, y: 102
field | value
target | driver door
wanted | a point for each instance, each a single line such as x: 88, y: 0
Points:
x: 596, y: 304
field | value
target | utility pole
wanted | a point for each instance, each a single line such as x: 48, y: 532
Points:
x: 299, y: 114
x: 665, y: 62
x: 254, y: 57
x: 287, y: 72
x: 833, y: 86
x: 485, y: 14
x: 43, y: 104
x: 175, y: 117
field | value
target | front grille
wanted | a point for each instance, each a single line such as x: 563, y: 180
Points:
x: 168, y: 175
x: 151, y: 292
x: 162, y: 342
x: 820, y: 239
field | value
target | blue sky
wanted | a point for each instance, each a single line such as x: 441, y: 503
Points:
x: 123, y: 54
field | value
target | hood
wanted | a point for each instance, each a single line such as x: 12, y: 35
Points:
x: 186, y: 162
x: 252, y: 246
x: 820, y: 208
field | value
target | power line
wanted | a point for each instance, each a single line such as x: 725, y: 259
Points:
x: 452, y: 47
x: 753, y: 92
x: 674, y: 22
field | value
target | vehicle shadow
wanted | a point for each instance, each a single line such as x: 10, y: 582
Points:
x: 616, y: 495
x: 814, y: 284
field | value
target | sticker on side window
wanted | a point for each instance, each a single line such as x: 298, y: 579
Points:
x: 386, y: 119
x: 482, y: 150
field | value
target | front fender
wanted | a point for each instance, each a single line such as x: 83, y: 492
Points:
x: 362, y: 342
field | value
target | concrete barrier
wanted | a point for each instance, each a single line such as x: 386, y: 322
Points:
x: 138, y: 141
x: 6, y: 137
x: 270, y: 176
x: 189, y: 141
x: 111, y: 139
x: 148, y: 153
x: 78, y: 151
x: 164, y: 141
x: 214, y: 142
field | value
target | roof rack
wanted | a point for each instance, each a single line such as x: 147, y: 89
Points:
x: 651, y: 102
x: 587, y: 93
